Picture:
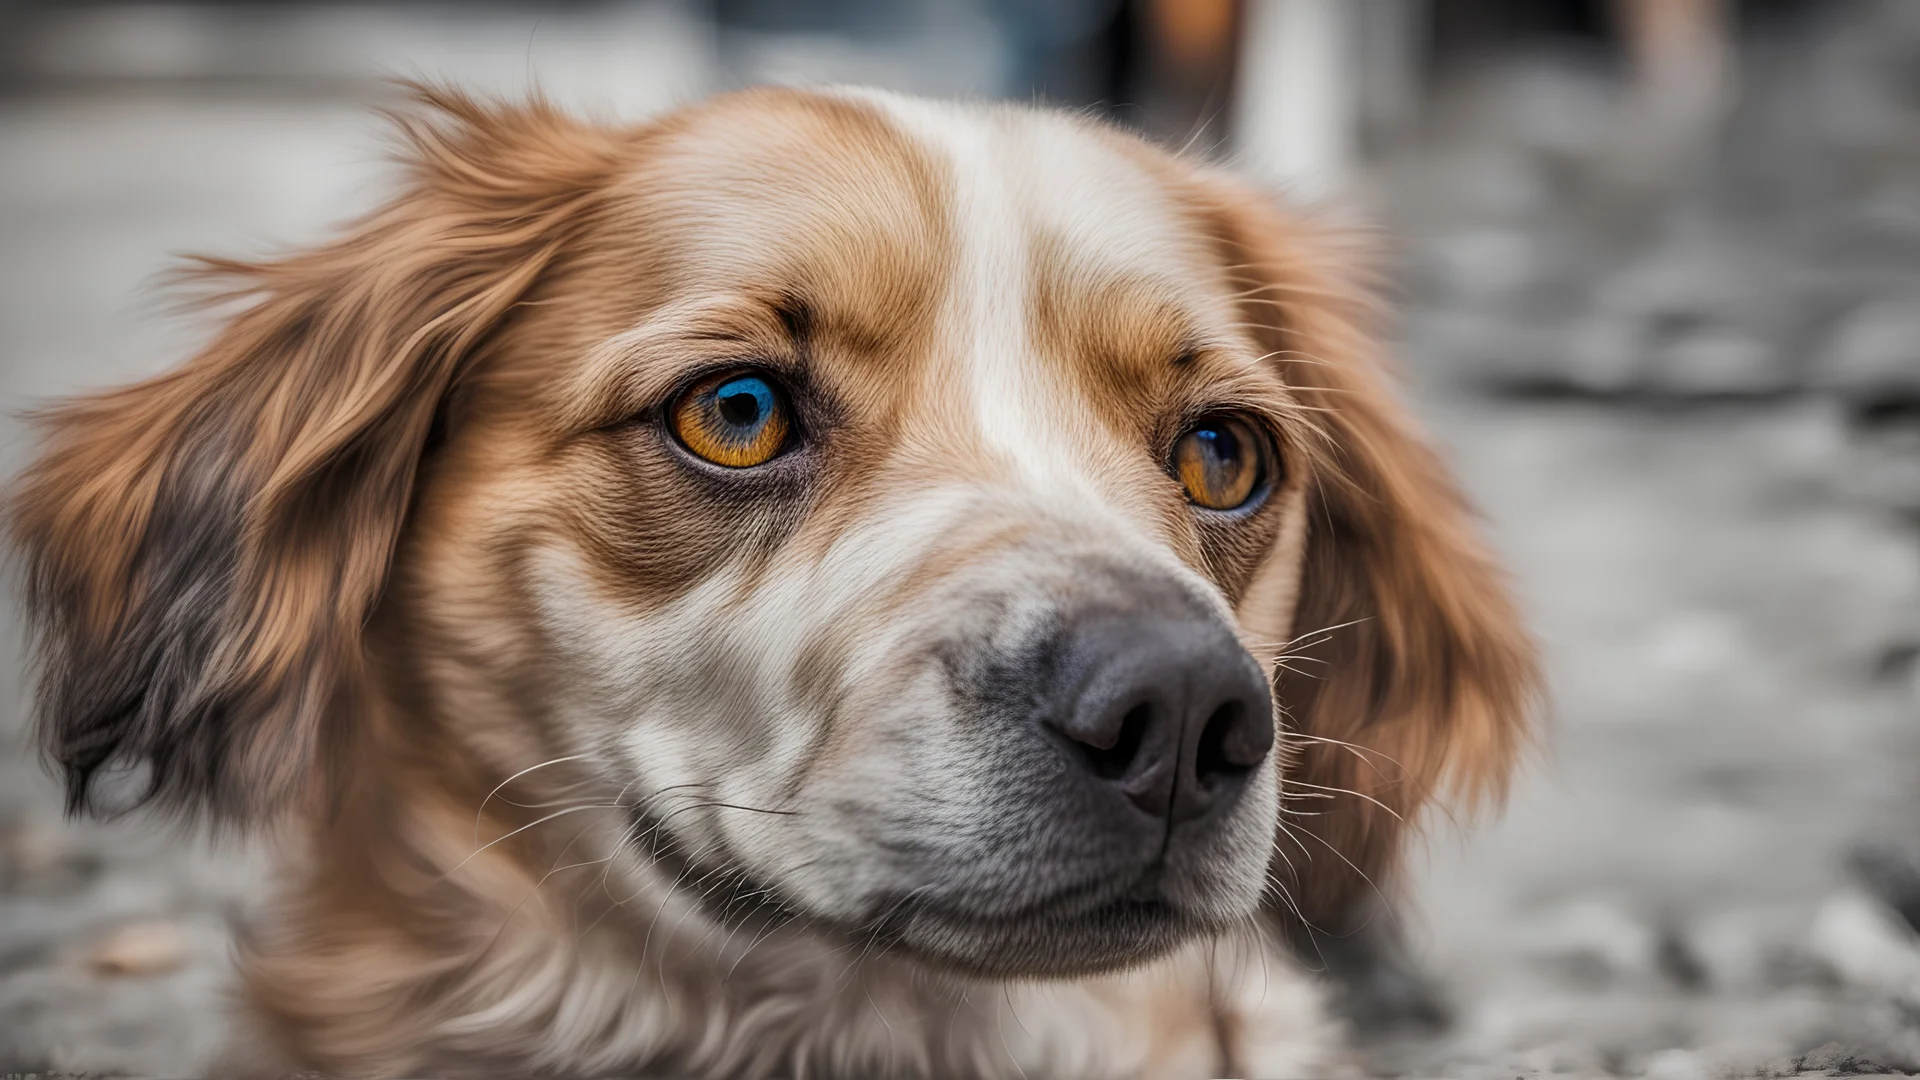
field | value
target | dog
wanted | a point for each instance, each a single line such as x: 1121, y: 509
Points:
x: 819, y: 583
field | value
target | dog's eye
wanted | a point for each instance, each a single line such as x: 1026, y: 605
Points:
x: 734, y: 419
x: 1220, y: 461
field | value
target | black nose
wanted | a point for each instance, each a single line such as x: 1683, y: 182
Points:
x: 1171, y: 711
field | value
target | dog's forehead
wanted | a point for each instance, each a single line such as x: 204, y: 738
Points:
x: 883, y: 210
x: 1023, y: 175
x: 789, y: 191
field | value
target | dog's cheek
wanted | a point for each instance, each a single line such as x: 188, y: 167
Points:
x: 662, y: 693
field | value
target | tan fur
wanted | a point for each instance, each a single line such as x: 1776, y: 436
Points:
x: 401, y: 565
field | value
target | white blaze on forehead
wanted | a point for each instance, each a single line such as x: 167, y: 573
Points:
x: 1016, y: 176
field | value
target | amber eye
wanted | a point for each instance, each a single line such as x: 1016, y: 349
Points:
x: 736, y: 419
x: 1220, y: 461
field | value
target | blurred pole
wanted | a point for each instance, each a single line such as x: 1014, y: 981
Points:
x: 1298, y: 102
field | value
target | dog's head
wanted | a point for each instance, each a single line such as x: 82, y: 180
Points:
x: 968, y: 525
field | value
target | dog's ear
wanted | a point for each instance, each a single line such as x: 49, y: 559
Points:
x: 1409, y: 675
x: 201, y: 550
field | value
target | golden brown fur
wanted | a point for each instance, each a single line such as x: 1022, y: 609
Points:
x: 378, y: 566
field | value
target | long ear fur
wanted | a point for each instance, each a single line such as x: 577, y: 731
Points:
x: 1416, y: 677
x: 202, y: 549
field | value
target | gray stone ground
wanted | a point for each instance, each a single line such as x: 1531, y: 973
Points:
x: 1691, y: 414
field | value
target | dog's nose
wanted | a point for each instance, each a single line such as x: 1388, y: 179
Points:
x: 1170, y: 711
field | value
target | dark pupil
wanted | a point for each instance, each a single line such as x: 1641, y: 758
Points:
x: 1220, y: 444
x: 740, y: 408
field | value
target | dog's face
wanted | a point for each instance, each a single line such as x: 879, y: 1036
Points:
x: 901, y: 511
x: 907, y: 500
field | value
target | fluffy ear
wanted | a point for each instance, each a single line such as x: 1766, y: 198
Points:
x: 202, y: 549
x: 1413, y: 676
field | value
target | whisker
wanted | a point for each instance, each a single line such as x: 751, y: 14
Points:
x: 1357, y: 750
x: 516, y: 832
x: 478, y: 813
x: 1349, y: 791
x: 1351, y: 865
x: 737, y: 806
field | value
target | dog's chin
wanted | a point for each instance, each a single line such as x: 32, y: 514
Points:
x: 1090, y: 929
x: 1109, y: 936
x: 1087, y: 929
x: 1044, y: 943
x: 1116, y: 934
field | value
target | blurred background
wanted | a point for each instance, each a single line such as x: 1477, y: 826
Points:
x: 1656, y: 273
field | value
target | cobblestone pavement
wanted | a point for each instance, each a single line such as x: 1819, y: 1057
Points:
x: 1692, y: 419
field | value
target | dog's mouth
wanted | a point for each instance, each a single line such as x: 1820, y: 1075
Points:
x: 1055, y: 941
x: 1080, y: 929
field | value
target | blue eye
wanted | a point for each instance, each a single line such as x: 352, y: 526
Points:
x: 734, y: 420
